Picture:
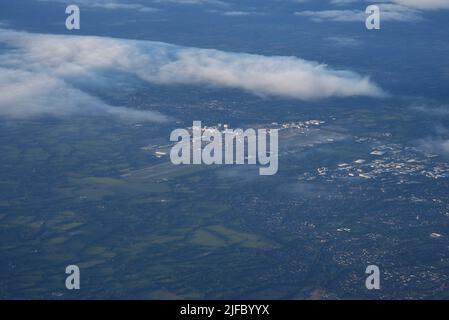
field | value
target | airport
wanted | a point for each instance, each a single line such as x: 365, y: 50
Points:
x: 205, y: 146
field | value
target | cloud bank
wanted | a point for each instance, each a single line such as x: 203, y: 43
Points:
x: 27, y: 94
x: 39, y: 73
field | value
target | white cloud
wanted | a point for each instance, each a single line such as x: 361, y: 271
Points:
x: 107, y: 4
x: 343, y: 1
x: 60, y: 61
x: 432, y: 110
x: 193, y: 2
x: 333, y: 15
x: 424, y: 4
x: 438, y: 142
x: 26, y: 94
x: 435, y: 145
x: 342, y: 41
x: 276, y: 76
x: 237, y: 13
x: 416, y: 4
x: 389, y: 12
x: 32, y: 83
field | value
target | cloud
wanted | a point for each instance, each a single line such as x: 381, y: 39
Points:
x: 344, y: 41
x: 439, y: 111
x: 416, y: 4
x: 64, y: 62
x: 340, y: 2
x: 438, y: 142
x: 238, y: 13
x: 27, y: 94
x: 273, y: 76
x: 108, y: 4
x: 32, y: 85
x: 333, y: 15
x: 389, y: 12
x: 193, y: 2
x: 424, y: 4
x: 435, y: 145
